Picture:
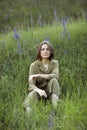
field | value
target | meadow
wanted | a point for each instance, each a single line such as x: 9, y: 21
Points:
x: 27, y: 13
x: 17, y: 51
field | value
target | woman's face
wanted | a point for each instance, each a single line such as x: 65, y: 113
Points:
x: 45, y: 52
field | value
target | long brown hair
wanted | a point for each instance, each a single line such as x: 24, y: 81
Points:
x: 38, y: 56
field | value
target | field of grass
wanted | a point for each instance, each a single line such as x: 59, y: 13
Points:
x: 27, y: 13
x: 17, y: 51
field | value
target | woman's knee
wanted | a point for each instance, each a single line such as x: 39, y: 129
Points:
x: 32, y: 97
x: 54, y: 80
x: 54, y: 84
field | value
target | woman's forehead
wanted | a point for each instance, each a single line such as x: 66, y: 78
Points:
x: 44, y: 46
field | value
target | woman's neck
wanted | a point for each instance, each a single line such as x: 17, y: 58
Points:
x: 45, y: 61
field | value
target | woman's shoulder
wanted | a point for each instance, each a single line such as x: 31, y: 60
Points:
x: 55, y: 61
x: 35, y: 63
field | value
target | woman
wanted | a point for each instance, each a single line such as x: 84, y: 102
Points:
x: 43, y: 77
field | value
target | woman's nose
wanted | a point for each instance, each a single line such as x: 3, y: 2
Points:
x: 45, y: 50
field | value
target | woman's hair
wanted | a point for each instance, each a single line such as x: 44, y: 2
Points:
x: 38, y: 56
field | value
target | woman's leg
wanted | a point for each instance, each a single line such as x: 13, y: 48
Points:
x: 53, y: 88
x: 31, y: 99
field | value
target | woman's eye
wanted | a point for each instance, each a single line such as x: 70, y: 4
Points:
x: 42, y: 49
x: 47, y: 49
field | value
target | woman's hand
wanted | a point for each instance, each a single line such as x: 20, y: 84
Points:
x: 41, y: 92
x: 32, y: 78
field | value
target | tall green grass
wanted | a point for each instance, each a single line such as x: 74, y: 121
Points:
x: 26, y: 13
x: 17, y: 51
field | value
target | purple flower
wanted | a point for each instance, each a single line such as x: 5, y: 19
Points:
x: 65, y: 52
x: 16, y: 36
x: 15, y: 31
x: 19, y: 49
x: 67, y: 18
x: 64, y: 23
x: 51, y: 119
x: 47, y: 38
x: 55, y: 14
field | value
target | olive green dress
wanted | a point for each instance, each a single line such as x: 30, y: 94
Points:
x: 50, y: 86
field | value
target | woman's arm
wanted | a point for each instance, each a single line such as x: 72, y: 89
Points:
x: 53, y: 74
x: 33, y: 77
x: 39, y: 91
x: 45, y: 76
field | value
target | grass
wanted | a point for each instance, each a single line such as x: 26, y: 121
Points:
x: 26, y: 14
x: 17, y: 51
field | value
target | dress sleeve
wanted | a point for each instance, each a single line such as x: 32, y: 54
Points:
x: 31, y: 72
x: 55, y: 71
x: 31, y: 69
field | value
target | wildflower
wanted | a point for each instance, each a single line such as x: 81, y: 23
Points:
x: 39, y: 21
x: 65, y: 32
x: 51, y: 119
x: 19, y: 50
x: 55, y: 15
x: 16, y: 36
x: 65, y: 52
x: 47, y: 38
x: 67, y: 18
x: 64, y: 25
x: 31, y: 19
